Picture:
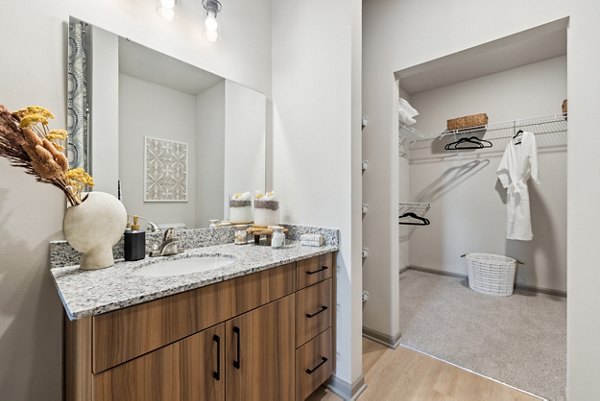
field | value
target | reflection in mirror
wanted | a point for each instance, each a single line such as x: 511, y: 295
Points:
x: 77, y: 100
x: 179, y: 139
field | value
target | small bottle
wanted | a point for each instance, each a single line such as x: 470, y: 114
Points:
x: 240, y: 234
x: 278, y: 238
x: 135, y: 241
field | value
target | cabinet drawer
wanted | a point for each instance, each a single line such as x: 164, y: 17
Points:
x: 314, y: 365
x: 130, y: 332
x: 313, y: 270
x: 313, y: 311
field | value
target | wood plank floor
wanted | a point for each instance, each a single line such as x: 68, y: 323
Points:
x: 407, y: 375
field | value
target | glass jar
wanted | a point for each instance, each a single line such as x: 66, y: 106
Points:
x: 278, y: 237
x: 266, y: 212
x: 240, y: 211
x: 240, y: 235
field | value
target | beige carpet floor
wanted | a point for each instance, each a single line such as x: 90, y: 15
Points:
x: 518, y: 340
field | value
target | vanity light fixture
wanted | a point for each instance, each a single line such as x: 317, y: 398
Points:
x: 212, y: 7
x: 167, y: 9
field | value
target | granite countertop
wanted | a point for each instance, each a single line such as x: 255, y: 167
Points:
x: 92, y: 292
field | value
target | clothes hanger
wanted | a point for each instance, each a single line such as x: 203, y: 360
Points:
x: 473, y: 140
x: 484, y: 142
x: 455, y: 145
x: 470, y: 140
x: 423, y: 220
x: 519, y: 132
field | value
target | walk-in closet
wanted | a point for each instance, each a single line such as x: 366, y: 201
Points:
x: 463, y: 192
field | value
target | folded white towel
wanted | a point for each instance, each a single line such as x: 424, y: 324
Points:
x: 408, y: 109
x: 405, y: 119
x: 311, y: 243
x: 312, y: 240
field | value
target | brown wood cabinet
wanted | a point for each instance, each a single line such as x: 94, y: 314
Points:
x: 127, y: 333
x: 187, y: 370
x: 261, y: 353
x: 236, y: 340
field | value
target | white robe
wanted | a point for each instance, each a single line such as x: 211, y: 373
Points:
x: 518, y: 164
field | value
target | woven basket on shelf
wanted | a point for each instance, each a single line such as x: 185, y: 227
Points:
x: 491, y: 274
x: 565, y: 107
x: 472, y: 121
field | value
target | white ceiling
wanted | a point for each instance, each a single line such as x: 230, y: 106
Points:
x: 537, y: 44
x: 147, y: 64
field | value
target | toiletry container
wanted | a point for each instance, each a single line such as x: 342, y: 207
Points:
x: 278, y: 237
x: 135, y: 241
x: 240, y: 208
x: 266, y: 212
x: 240, y: 235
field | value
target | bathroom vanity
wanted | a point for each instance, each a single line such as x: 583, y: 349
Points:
x: 262, y: 328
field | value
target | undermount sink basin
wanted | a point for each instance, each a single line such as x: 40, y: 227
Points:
x: 190, y: 265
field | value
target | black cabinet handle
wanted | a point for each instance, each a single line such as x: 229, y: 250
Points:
x: 217, y: 374
x: 310, y: 371
x: 319, y: 270
x: 236, y: 362
x: 310, y: 315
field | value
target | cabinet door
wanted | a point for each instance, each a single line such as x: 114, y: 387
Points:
x: 261, y: 353
x: 188, y: 370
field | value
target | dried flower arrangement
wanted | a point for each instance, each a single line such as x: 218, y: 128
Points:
x: 26, y: 142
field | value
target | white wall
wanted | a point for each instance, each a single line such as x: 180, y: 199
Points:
x: 531, y: 90
x: 210, y: 151
x: 404, y: 191
x: 148, y: 109
x: 104, y: 107
x: 245, y: 130
x: 316, y: 141
x: 31, y: 213
x: 399, y: 34
x: 583, y: 314
x: 468, y: 212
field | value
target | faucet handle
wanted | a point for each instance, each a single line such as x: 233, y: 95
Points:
x: 168, y: 234
x: 152, y: 227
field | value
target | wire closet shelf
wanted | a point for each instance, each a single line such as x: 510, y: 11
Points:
x: 407, y: 136
x: 418, y: 208
x: 546, y: 124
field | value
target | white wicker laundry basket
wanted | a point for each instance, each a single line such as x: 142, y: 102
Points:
x: 491, y: 274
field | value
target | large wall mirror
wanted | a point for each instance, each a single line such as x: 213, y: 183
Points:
x: 180, y: 140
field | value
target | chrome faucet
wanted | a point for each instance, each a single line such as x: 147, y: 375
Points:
x: 169, y: 245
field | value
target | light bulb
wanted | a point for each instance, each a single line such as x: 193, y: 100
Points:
x: 167, y: 3
x: 166, y: 13
x: 212, y: 36
x: 211, y: 23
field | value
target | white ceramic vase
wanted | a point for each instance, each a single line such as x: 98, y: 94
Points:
x: 94, y: 227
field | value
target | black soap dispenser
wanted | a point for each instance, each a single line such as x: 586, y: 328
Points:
x: 135, y: 241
